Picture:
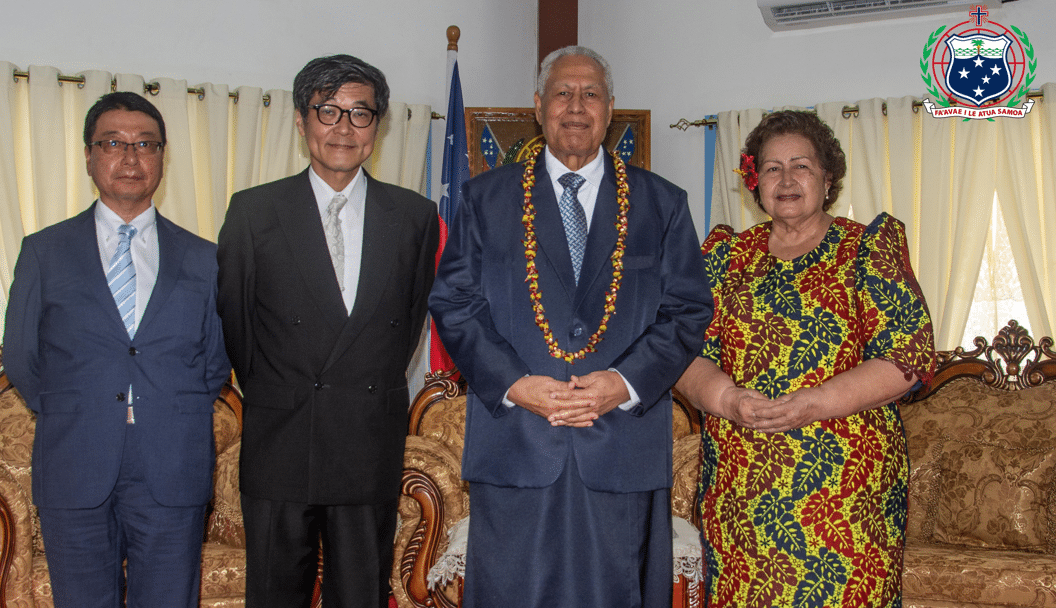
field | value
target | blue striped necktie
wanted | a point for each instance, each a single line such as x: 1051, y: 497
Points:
x: 574, y: 218
x: 121, y: 277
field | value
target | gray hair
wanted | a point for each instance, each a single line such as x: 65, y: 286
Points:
x: 325, y: 75
x: 551, y: 59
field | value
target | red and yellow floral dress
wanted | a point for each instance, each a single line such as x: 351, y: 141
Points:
x: 814, y: 516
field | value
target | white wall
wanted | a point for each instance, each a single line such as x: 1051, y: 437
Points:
x: 691, y: 58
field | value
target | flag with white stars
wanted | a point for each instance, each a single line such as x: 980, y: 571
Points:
x: 455, y: 172
x: 978, y: 72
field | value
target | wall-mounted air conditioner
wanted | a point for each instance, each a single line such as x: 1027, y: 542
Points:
x: 782, y: 15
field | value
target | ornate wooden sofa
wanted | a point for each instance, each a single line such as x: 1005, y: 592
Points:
x: 981, y: 527
x: 435, y: 499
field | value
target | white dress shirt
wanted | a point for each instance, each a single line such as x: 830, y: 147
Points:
x: 144, y: 249
x: 351, y: 217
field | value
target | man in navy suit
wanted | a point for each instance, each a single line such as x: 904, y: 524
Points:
x: 113, y: 340
x: 571, y: 297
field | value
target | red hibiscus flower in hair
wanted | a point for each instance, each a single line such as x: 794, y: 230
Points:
x: 747, y: 172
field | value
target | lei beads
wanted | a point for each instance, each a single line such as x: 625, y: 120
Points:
x: 531, y: 245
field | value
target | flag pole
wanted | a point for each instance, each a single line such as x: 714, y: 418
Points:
x: 455, y: 172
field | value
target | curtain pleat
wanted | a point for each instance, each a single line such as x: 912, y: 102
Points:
x: 1026, y: 190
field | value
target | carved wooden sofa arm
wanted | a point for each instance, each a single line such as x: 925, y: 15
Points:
x: 16, y: 538
x: 432, y: 500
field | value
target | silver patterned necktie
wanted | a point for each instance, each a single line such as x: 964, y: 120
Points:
x: 335, y: 237
x: 121, y: 277
x: 574, y: 219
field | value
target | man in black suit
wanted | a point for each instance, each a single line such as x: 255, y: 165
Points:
x: 324, y: 278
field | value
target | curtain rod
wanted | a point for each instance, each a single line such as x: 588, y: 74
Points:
x: 848, y: 111
x: 152, y: 88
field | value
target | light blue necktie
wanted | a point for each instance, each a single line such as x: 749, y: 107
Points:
x: 574, y: 218
x: 121, y: 277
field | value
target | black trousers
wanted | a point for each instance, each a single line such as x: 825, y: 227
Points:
x: 282, y: 551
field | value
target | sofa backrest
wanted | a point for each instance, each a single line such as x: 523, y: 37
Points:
x: 982, y: 447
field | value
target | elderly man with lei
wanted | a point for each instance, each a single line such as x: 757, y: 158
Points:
x: 570, y: 359
x: 819, y: 327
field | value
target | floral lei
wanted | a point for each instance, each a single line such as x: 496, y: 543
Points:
x: 531, y: 245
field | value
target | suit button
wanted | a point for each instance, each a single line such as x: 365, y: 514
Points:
x: 319, y: 386
x: 394, y: 322
x: 121, y: 397
x: 295, y: 320
x: 373, y: 388
x: 577, y: 332
x: 132, y: 351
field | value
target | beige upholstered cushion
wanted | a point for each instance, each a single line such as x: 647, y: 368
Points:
x: 945, y: 575
x: 994, y: 497
x: 223, y: 575
x: 446, y: 422
x: 970, y: 445
x: 225, y: 520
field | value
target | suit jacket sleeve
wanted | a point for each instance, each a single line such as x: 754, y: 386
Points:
x: 217, y: 364
x: 22, y: 325
x: 654, y: 362
x: 235, y: 295
x: 463, y: 315
x: 426, y: 275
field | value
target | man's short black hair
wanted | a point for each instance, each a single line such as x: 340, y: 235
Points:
x: 326, y: 75
x: 122, y: 100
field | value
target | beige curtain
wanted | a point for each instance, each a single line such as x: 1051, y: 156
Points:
x: 939, y: 177
x: 217, y: 146
x: 1026, y: 191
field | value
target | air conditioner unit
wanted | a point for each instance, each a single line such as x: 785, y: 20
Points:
x: 782, y: 15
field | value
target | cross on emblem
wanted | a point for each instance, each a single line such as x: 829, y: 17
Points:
x: 980, y: 13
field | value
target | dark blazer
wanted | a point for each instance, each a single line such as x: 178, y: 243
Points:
x: 326, y: 398
x: 484, y: 315
x: 67, y: 352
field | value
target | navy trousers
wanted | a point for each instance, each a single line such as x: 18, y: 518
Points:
x: 86, y: 548
x: 566, y: 546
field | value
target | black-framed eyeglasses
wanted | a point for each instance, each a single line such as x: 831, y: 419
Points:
x: 330, y: 114
x: 113, y: 146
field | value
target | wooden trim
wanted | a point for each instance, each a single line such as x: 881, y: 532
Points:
x: 421, y: 550
x: 1012, y: 362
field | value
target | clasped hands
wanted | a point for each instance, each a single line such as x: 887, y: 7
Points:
x: 752, y: 410
x: 576, y: 403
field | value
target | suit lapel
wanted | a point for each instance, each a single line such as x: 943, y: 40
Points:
x: 87, y: 263
x: 550, y: 229
x: 381, y: 225
x: 298, y: 214
x: 601, y: 240
x: 170, y: 259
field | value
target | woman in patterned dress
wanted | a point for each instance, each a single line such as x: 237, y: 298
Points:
x: 819, y: 326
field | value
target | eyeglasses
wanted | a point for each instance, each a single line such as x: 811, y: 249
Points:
x: 331, y: 115
x: 112, y: 147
